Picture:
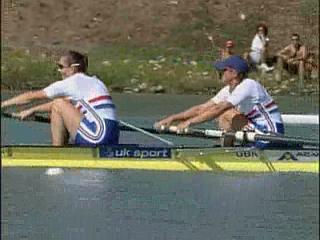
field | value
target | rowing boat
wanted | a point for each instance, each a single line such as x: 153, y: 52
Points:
x: 302, y: 157
x: 239, y: 159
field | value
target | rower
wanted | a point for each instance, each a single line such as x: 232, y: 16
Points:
x: 80, y: 108
x: 243, y: 104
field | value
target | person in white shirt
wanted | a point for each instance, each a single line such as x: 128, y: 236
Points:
x: 81, y: 107
x: 259, y: 46
x: 242, y: 104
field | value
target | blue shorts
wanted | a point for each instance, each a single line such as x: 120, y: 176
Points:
x: 261, y: 129
x: 103, y: 132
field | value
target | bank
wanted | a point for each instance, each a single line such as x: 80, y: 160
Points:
x: 140, y: 70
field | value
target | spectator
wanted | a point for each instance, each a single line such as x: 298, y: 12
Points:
x: 259, y: 47
x: 295, y: 58
x: 227, y: 51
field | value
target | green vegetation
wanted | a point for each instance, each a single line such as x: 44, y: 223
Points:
x: 135, y: 69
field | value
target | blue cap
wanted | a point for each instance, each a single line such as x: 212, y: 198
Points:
x: 235, y: 62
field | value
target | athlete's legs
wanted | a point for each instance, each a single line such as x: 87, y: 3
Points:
x: 65, y: 118
x: 301, y: 70
x: 231, y: 121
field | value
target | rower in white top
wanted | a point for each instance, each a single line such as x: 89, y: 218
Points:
x: 243, y: 104
x: 81, y: 106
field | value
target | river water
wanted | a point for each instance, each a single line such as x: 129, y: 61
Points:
x: 103, y: 204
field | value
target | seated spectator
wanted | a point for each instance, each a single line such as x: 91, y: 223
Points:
x: 258, y: 51
x: 295, y: 58
x: 227, y: 51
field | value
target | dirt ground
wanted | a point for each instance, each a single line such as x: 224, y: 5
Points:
x: 80, y: 23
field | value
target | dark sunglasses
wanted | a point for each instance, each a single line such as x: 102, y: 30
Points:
x: 60, y: 66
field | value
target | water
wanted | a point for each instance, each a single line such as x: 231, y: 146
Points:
x: 85, y: 204
x: 102, y: 204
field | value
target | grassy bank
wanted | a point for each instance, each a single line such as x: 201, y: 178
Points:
x: 137, y: 69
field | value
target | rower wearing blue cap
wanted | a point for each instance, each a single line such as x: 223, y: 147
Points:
x: 243, y: 104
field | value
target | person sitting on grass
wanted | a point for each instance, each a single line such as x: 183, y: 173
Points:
x: 80, y: 108
x: 227, y: 51
x: 259, y: 49
x: 295, y: 58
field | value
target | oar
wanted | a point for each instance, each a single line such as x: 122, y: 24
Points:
x: 244, y: 136
x: 123, y: 127
x: 202, y: 133
x: 35, y: 118
x: 128, y: 125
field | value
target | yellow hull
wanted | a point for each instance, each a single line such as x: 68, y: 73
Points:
x: 207, y: 159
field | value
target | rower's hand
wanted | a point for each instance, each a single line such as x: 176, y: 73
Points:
x: 183, y: 127
x: 23, y: 114
x: 163, y: 124
x: 3, y: 104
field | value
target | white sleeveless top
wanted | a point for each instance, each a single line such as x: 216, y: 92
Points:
x: 87, y: 93
x: 251, y: 99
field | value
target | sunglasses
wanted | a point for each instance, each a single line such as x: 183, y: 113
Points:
x: 61, y: 66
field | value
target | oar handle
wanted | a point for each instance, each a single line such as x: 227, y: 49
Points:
x: 35, y: 118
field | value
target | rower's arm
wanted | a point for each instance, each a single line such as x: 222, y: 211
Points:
x: 211, y: 113
x: 46, y: 107
x: 188, y: 114
x: 24, y: 98
x: 193, y: 111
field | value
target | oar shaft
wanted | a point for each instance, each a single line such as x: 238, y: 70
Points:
x: 243, y: 136
x: 146, y: 132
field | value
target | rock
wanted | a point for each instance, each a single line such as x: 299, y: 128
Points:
x: 276, y: 91
x: 134, y: 81
x: 205, y: 73
x: 153, y: 61
x: 277, y: 77
x: 173, y: 2
x: 157, y: 89
x: 128, y: 90
x: 106, y: 63
x: 242, y: 16
x: 142, y: 86
x: 136, y: 90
